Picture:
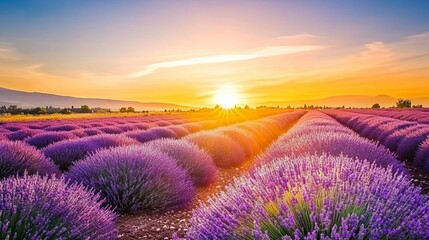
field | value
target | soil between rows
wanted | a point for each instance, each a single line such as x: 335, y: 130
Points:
x: 164, y: 225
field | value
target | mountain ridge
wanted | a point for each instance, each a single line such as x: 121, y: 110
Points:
x: 37, y: 99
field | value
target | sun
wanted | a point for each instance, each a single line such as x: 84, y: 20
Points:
x: 227, y: 97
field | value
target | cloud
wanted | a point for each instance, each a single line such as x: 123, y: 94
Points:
x: 301, y: 37
x: 8, y: 53
x: 419, y: 36
x: 377, y: 50
x: 270, y: 51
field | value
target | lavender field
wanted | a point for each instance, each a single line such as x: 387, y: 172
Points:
x: 331, y: 174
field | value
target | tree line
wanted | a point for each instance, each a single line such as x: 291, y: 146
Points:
x: 15, y: 110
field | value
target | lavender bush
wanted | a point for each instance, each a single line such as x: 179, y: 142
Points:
x: 422, y: 156
x: 309, y: 136
x: 22, y: 134
x: 34, y: 207
x: 18, y: 157
x: 224, y: 151
x: 409, y: 144
x: 392, y: 141
x: 315, y: 197
x: 243, y: 137
x: 192, y: 127
x: 3, y: 137
x: 13, y: 127
x: 60, y: 128
x: 197, y: 162
x: 263, y: 134
x: 135, y: 178
x: 162, y: 123
x: 92, y: 131
x: 151, y: 134
x: 336, y: 144
x: 66, y: 152
x: 178, y: 130
x: 111, y: 130
x: 42, y: 140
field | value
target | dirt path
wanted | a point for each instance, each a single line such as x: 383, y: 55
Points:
x: 163, y: 225
x: 419, y: 178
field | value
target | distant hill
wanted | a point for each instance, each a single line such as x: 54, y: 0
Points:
x: 35, y: 99
x: 350, y: 101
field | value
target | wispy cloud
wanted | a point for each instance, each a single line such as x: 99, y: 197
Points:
x: 270, y: 51
x: 7, y: 52
x: 299, y: 36
x: 377, y: 50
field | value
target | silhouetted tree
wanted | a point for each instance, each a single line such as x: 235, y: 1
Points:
x: 85, y: 109
x: 376, y: 106
x: 403, y: 103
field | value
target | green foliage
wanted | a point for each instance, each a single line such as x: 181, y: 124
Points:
x: 127, y: 110
x: 85, y: 109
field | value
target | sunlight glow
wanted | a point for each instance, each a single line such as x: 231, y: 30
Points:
x: 227, y: 97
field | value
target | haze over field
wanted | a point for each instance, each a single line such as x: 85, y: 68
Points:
x: 189, y: 52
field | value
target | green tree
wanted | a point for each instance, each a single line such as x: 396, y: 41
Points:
x: 376, y: 105
x: 403, y: 103
x: 38, y: 111
x: 66, y: 111
x: 85, y: 109
x: 123, y: 109
x: 130, y: 109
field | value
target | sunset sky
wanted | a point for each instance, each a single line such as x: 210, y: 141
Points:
x: 186, y: 52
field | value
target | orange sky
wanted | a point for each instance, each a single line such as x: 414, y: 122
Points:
x: 189, y: 61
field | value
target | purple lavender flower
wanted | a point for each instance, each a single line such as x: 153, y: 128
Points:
x: 42, y: 140
x: 422, y: 156
x: 309, y: 136
x: 34, y: 207
x: 242, y: 137
x: 197, y: 162
x: 62, y: 127
x: 135, y: 178
x: 178, y: 130
x: 410, y: 142
x: 65, y: 153
x: 18, y: 157
x: 111, y: 130
x: 22, y: 134
x: 392, y: 141
x: 224, y: 151
x: 151, y: 134
x: 315, y: 197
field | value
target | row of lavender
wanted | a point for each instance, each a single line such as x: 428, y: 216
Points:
x: 318, y: 181
x: 163, y: 174
x: 60, y: 131
x: 156, y: 175
x: 409, y: 140
x: 17, y: 157
x: 419, y: 116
